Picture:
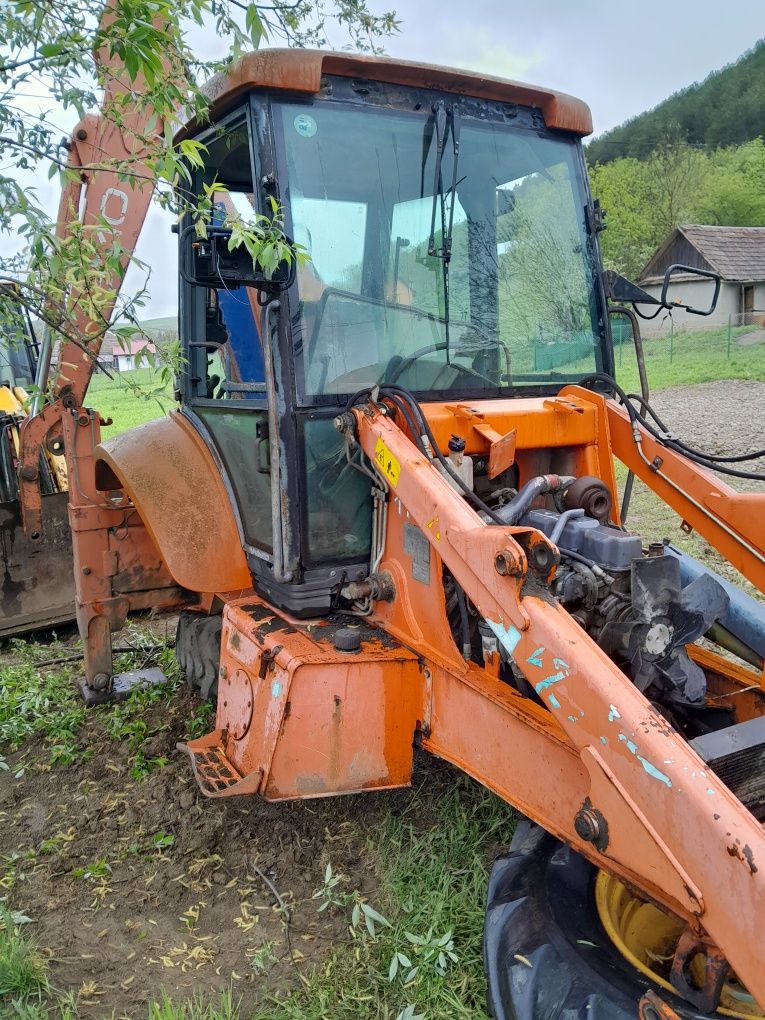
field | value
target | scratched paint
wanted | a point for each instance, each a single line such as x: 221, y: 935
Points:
x: 535, y: 659
x: 613, y: 713
x: 549, y: 681
x: 649, y: 767
x: 508, y: 636
x: 276, y: 688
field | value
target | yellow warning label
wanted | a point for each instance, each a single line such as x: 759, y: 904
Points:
x: 387, y: 463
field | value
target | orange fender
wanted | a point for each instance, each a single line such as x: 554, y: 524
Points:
x: 172, y: 480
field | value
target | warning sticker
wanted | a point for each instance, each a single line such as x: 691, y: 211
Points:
x: 387, y: 463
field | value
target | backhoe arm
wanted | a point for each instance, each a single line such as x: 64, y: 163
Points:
x: 107, y: 194
x: 633, y: 796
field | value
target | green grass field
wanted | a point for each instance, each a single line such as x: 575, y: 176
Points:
x: 129, y: 398
x: 692, y: 356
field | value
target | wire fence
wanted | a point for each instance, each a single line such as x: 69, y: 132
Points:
x: 694, y: 349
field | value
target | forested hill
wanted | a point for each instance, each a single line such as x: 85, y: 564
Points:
x: 727, y: 108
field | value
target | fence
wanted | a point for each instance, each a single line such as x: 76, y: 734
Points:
x: 696, y: 350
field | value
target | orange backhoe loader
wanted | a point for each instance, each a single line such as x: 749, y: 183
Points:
x: 388, y: 508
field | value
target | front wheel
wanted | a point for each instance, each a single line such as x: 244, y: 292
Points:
x: 547, y: 953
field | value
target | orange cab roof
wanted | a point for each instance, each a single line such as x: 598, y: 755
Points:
x: 301, y: 71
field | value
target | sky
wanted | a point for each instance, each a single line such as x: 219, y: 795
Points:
x: 621, y: 58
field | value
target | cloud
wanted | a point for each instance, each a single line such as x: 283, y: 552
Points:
x: 484, y: 54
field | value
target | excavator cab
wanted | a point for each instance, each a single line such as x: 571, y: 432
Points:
x: 452, y: 252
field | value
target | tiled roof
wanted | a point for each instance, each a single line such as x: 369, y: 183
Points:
x: 736, y: 253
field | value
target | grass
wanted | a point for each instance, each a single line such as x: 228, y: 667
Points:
x: 130, y: 398
x: 23, y: 971
x: 432, y: 890
x: 40, y: 703
x: 691, y: 357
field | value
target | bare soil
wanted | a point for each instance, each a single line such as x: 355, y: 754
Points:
x: 199, y: 894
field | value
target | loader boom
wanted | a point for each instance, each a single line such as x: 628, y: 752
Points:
x: 648, y: 803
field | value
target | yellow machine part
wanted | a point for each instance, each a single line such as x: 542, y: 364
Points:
x: 646, y: 937
x: 14, y: 400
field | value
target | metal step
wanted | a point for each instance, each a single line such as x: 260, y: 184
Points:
x: 214, y: 772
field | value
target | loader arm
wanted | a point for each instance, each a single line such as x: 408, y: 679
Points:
x: 108, y: 190
x: 630, y: 793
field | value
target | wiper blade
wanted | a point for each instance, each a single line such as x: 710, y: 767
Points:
x: 446, y: 122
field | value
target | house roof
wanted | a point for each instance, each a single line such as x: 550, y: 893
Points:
x: 301, y: 71
x: 736, y: 253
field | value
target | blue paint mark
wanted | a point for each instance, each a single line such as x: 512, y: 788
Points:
x: 710, y: 792
x: 613, y: 713
x: 276, y: 688
x: 562, y: 665
x: 654, y: 772
x: 508, y: 636
x: 554, y: 703
x: 572, y: 718
x: 631, y: 745
x: 536, y: 657
x: 549, y: 681
x: 603, y: 740
x: 649, y: 767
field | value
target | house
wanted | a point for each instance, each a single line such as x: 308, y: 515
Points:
x: 115, y: 354
x: 736, y: 254
x: 128, y: 354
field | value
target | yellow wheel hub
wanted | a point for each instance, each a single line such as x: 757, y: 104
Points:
x: 646, y: 937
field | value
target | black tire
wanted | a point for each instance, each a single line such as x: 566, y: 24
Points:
x: 541, y: 911
x: 197, y: 649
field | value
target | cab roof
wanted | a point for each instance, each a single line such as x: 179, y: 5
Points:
x: 301, y: 71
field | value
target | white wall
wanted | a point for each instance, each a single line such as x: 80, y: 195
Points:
x: 699, y: 294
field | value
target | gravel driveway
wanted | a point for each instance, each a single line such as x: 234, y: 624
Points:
x: 725, y: 417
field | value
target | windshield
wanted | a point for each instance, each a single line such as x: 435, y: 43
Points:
x: 517, y: 306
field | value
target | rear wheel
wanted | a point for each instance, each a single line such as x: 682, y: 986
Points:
x: 564, y: 941
x: 197, y: 649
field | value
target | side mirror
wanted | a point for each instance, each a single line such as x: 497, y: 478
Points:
x: 678, y: 270
x: 212, y: 265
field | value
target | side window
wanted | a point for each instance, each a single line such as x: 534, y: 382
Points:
x: 226, y: 376
x: 333, y: 232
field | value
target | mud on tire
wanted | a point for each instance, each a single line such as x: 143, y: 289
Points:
x: 546, y: 954
x: 197, y: 649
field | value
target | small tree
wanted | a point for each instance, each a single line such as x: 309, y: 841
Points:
x: 67, y: 51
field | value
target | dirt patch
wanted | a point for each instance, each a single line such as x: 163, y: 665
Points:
x: 139, y: 886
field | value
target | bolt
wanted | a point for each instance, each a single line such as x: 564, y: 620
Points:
x: 86, y: 571
x: 100, y: 682
x: 505, y: 563
x: 587, y: 825
x: 29, y: 473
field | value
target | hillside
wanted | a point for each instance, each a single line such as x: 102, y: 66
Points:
x: 727, y: 108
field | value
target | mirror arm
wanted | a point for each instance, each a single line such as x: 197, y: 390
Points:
x: 638, y: 342
x: 704, y: 273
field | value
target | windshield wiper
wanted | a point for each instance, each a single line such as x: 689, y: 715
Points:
x: 446, y: 122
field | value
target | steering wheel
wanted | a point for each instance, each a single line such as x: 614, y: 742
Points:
x: 486, y: 341
x: 396, y: 368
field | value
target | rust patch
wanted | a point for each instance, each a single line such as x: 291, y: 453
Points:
x: 744, y: 855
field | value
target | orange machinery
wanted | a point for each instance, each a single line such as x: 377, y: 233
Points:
x: 388, y: 505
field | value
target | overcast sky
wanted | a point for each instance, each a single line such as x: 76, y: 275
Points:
x: 621, y: 58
